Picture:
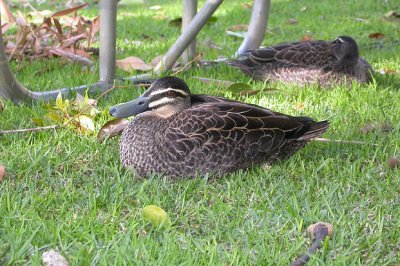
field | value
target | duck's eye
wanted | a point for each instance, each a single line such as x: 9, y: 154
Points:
x: 170, y: 93
x: 339, y: 40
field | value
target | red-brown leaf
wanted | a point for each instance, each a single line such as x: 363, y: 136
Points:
x: 68, y: 11
x: 2, y: 172
x: 72, y: 56
x: 93, y: 29
x: 77, y: 51
x: 376, y: 35
x: 306, y: 38
x: 393, y: 162
x: 58, y: 26
x: 112, y: 128
x: 73, y: 40
x: 5, y: 27
x: 241, y: 27
x: 47, y: 22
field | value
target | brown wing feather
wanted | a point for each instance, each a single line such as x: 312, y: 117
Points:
x: 312, y: 53
x: 225, y: 135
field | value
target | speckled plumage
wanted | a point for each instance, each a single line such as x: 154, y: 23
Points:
x: 323, y: 62
x: 212, y: 135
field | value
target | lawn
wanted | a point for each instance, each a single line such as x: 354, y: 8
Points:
x: 69, y: 192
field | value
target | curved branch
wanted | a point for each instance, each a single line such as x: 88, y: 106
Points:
x: 258, y: 23
x: 189, y: 34
x: 189, y: 11
x: 11, y: 89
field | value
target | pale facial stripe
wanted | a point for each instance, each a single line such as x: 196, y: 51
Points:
x: 168, y: 89
x: 161, y: 101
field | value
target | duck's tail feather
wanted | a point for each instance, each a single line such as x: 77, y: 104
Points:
x: 316, y: 129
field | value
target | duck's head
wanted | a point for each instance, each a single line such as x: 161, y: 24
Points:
x: 345, y: 48
x: 165, y: 97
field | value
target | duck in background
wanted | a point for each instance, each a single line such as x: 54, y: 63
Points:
x: 326, y: 63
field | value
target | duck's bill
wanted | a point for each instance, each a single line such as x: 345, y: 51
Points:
x: 127, y: 109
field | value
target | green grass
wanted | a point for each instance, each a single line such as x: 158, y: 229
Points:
x: 69, y: 192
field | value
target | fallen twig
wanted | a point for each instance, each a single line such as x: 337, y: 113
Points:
x: 344, y: 141
x: 319, y: 231
x: 25, y: 130
x: 186, y: 66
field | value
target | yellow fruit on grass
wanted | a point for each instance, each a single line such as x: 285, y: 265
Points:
x: 156, y: 216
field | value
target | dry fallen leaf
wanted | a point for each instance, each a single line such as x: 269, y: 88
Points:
x: 391, y: 14
x: 385, y: 71
x: 53, y: 258
x: 2, y: 172
x: 292, y: 21
x: 156, y: 60
x: 393, y: 162
x: 75, y: 57
x: 363, y: 20
x: 157, y: 7
x: 299, y: 106
x: 112, y: 128
x: 1, y: 105
x: 68, y: 11
x: 247, y: 5
x: 306, y: 38
x: 376, y: 35
x: 132, y: 63
x: 160, y: 17
x: 49, y: 36
x: 241, y: 27
x: 376, y: 126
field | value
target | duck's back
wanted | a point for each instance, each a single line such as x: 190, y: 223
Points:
x: 221, y: 137
x: 296, y: 54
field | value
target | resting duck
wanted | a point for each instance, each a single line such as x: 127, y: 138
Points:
x: 181, y: 135
x: 323, y: 62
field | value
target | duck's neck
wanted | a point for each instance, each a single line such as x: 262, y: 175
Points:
x: 346, y: 63
x: 139, y: 141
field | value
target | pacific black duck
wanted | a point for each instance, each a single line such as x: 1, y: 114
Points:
x: 322, y: 62
x: 181, y: 134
